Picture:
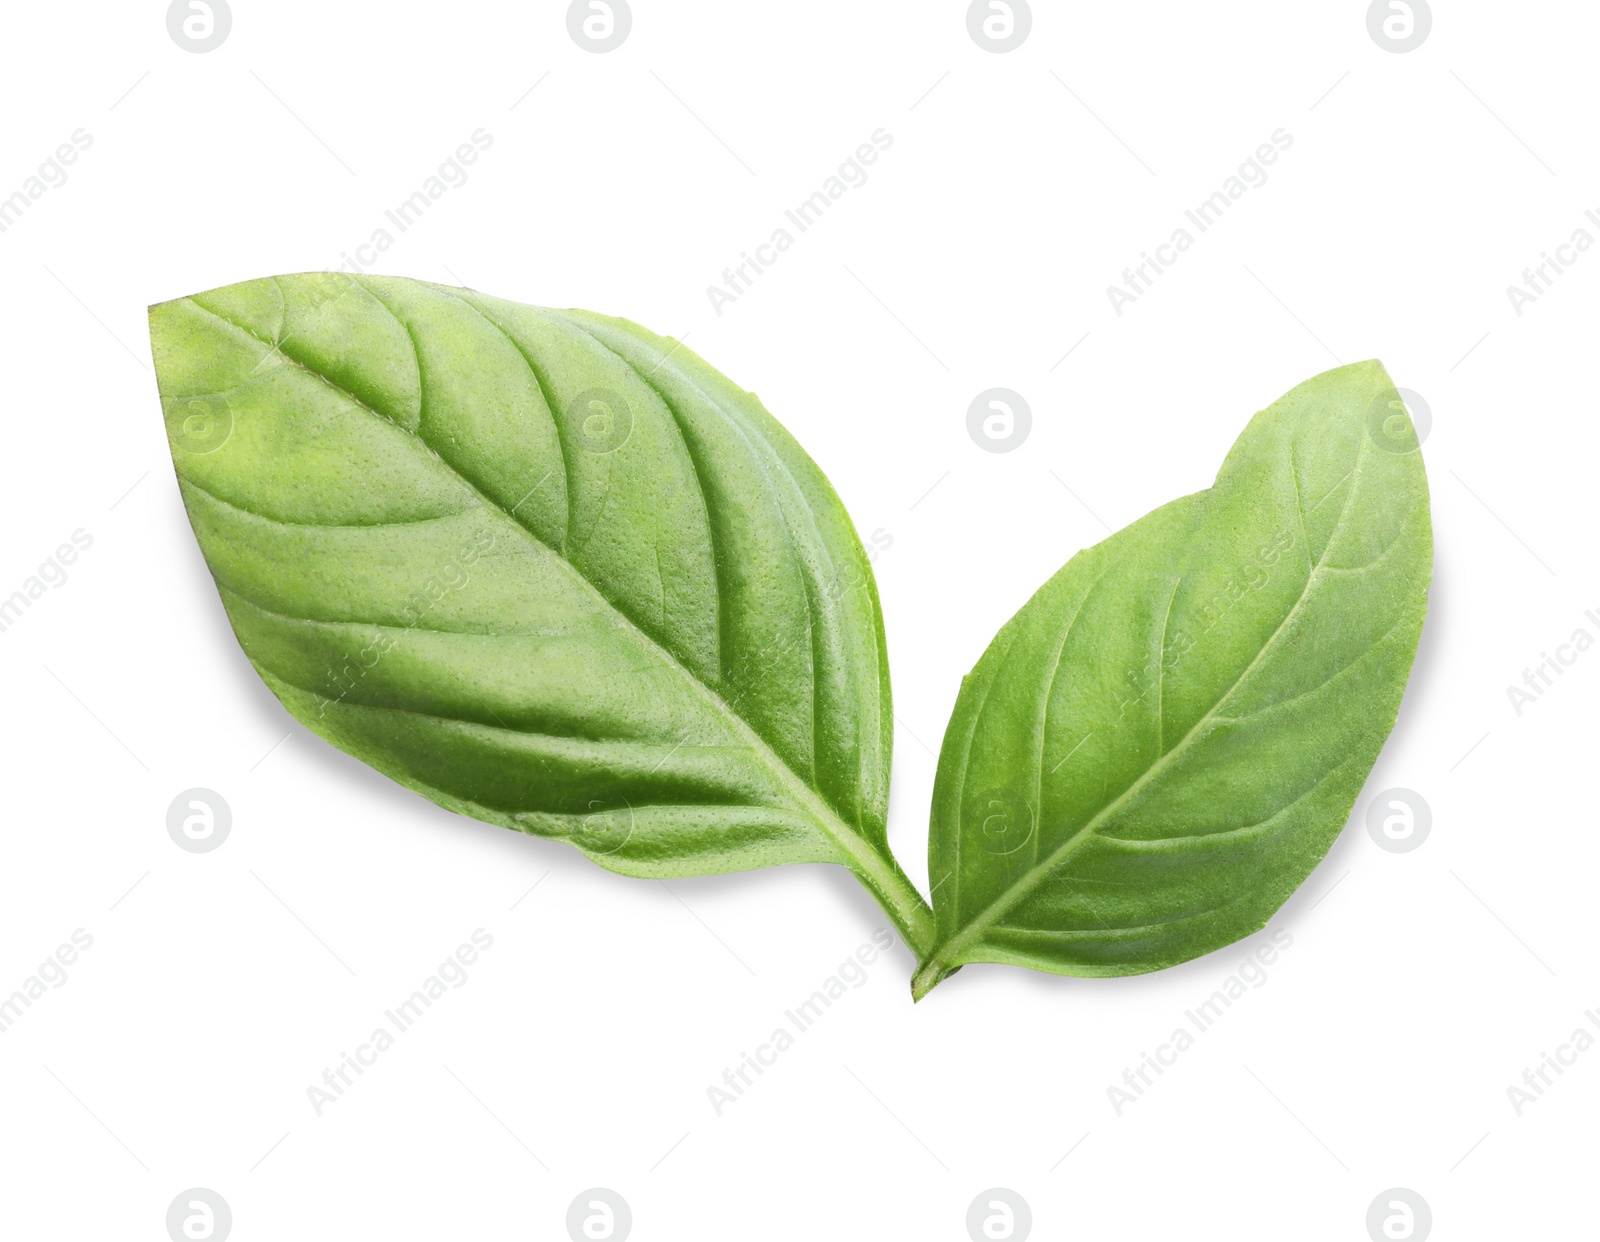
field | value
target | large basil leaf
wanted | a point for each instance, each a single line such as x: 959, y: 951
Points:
x: 1157, y: 749
x: 545, y: 568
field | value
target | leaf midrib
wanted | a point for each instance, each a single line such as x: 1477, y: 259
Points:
x: 950, y: 950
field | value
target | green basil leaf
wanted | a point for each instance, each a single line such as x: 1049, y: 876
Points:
x: 543, y: 567
x: 1158, y: 748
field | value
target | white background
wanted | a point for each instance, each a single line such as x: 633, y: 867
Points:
x: 1418, y: 987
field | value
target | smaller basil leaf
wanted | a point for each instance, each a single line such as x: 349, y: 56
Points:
x: 1158, y: 748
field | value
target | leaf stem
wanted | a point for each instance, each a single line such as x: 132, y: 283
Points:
x: 929, y: 975
x: 882, y: 877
